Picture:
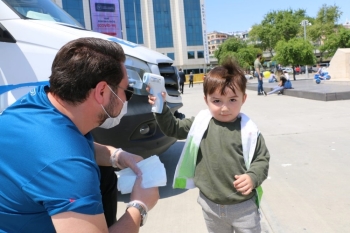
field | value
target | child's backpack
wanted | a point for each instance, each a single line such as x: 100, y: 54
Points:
x: 288, y: 85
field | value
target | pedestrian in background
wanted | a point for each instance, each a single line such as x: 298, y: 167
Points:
x: 182, y: 79
x: 191, y: 80
x: 279, y: 72
x: 279, y: 88
x: 258, y: 73
x: 272, y: 77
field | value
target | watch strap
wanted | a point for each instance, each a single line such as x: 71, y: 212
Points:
x: 141, y: 207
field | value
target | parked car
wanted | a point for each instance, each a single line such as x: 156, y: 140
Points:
x: 303, y: 70
x: 31, y: 33
x: 288, y: 69
x: 323, y: 66
x: 248, y: 76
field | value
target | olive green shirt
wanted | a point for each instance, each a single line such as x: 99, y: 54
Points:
x: 257, y: 64
x: 220, y: 157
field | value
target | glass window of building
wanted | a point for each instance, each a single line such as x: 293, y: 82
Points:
x: 193, y: 22
x: 190, y: 54
x: 162, y: 23
x: 133, y: 21
x: 75, y: 9
x: 200, y: 54
x: 171, y: 55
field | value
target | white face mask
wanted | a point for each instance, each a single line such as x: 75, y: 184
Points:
x: 110, y: 122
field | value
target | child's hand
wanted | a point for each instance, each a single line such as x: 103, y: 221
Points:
x: 243, y: 184
x: 152, y: 99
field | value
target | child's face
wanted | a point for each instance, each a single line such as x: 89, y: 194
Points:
x: 225, y: 108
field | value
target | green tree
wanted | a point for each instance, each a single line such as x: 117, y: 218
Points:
x: 277, y: 26
x: 324, y: 25
x: 293, y: 52
x: 229, y: 47
x: 246, y: 56
x: 238, y: 49
x: 340, y: 39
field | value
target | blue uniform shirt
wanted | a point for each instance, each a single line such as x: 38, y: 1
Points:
x: 46, y: 166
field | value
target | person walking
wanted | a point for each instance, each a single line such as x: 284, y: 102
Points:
x: 191, y: 80
x: 258, y: 73
x: 182, y: 79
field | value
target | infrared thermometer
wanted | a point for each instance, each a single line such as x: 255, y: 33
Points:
x: 156, y: 84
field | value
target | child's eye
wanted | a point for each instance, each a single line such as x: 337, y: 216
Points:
x: 233, y: 100
x: 216, y: 101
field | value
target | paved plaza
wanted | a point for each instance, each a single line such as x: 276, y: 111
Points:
x: 306, y: 87
x: 307, y: 188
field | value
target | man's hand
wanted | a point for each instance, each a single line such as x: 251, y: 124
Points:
x: 126, y: 159
x: 243, y: 184
x: 149, y: 196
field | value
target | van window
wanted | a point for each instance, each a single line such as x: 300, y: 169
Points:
x: 41, y: 10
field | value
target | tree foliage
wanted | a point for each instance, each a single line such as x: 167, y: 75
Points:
x: 295, y: 51
x: 277, y: 26
x: 340, y: 39
x: 324, y: 24
x: 323, y: 27
x: 281, y: 31
x: 238, y: 49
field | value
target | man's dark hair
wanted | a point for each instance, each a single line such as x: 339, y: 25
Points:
x: 81, y: 64
x: 258, y: 55
x: 229, y: 74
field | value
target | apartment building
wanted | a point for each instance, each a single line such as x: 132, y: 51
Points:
x: 176, y: 28
x: 215, y: 39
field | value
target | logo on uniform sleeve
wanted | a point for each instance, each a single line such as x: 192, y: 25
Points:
x: 32, y: 92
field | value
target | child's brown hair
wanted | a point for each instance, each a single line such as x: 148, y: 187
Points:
x: 229, y: 74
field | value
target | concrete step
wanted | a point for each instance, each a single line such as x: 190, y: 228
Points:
x: 309, y: 89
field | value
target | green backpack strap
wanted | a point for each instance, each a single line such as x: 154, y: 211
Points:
x: 259, y: 193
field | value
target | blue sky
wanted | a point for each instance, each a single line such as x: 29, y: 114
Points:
x: 240, y: 15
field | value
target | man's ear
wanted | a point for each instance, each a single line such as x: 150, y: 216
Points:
x: 100, y: 92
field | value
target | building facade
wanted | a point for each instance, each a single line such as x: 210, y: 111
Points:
x: 215, y: 39
x: 176, y: 28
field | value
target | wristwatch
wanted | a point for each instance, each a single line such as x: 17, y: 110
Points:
x: 142, y: 210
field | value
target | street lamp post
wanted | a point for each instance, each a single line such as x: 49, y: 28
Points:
x: 305, y: 23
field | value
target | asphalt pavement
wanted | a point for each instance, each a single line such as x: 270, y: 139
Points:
x: 307, y: 188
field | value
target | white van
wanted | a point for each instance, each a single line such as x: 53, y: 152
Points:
x: 31, y: 33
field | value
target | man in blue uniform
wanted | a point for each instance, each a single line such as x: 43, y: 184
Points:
x: 49, y: 161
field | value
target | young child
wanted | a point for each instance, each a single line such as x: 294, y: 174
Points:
x: 225, y: 156
x: 272, y: 77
